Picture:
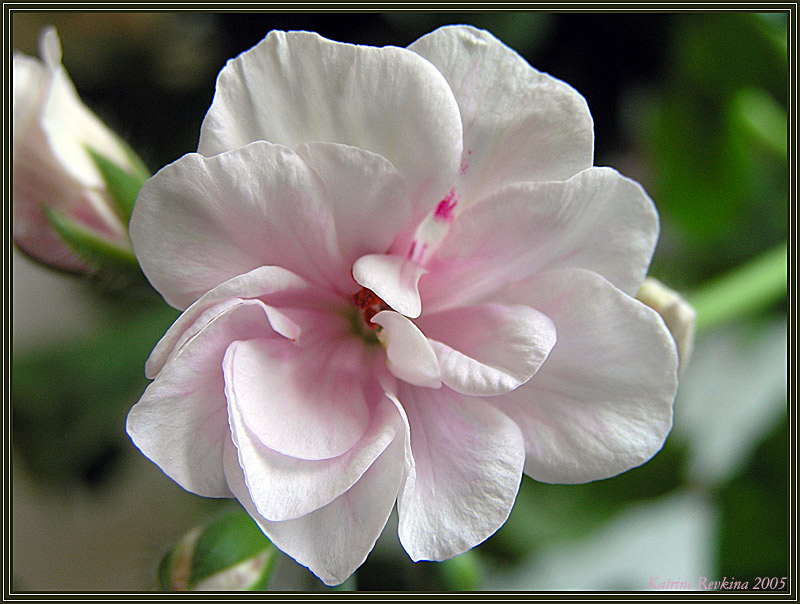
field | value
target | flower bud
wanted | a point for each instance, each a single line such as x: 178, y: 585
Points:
x: 678, y: 315
x: 230, y: 553
x: 74, y: 180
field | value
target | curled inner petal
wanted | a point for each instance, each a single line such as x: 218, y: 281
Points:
x: 394, y: 279
x: 409, y: 354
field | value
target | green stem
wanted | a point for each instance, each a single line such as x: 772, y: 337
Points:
x: 744, y: 290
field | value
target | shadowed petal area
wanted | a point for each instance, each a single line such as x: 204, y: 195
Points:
x: 309, y: 402
x: 295, y: 87
x: 468, y: 458
x: 334, y: 540
x: 519, y: 124
x: 284, y: 488
x: 409, y: 354
x: 597, y: 220
x: 489, y: 349
x: 602, y: 403
x: 181, y: 421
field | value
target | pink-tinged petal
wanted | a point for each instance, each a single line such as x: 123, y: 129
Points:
x: 597, y: 220
x: 368, y: 196
x: 334, y: 540
x: 489, y: 349
x: 409, y: 355
x: 285, y: 488
x: 602, y: 403
x: 181, y: 421
x: 519, y: 124
x: 203, y: 220
x: 309, y: 402
x: 393, y: 279
x: 296, y: 87
x: 287, y: 297
x: 468, y: 465
x: 270, y: 284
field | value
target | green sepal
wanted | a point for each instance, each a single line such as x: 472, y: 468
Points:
x: 123, y: 187
x: 91, y: 247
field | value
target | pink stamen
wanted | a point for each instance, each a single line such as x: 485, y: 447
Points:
x: 444, y: 211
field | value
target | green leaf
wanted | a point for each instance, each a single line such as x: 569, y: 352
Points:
x: 122, y: 186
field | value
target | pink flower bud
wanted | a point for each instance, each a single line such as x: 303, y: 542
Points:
x: 57, y: 142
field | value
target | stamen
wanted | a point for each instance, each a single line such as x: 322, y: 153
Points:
x: 370, y: 305
x: 364, y: 298
x: 444, y: 211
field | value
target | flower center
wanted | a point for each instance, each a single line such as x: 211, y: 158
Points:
x: 369, y: 304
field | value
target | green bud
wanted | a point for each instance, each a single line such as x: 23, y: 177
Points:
x: 678, y: 315
x: 229, y: 553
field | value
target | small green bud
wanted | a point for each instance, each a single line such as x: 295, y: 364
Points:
x: 229, y: 553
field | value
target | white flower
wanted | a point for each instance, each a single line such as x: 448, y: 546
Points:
x: 54, y: 135
x: 439, y: 200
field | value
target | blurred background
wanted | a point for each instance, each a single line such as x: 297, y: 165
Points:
x: 693, y: 106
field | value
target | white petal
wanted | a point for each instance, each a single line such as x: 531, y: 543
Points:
x: 410, y: 356
x: 181, y: 421
x: 334, y: 540
x: 368, y: 197
x: 602, y: 403
x: 597, y: 220
x: 285, y: 488
x: 268, y: 283
x: 307, y: 402
x: 297, y: 87
x: 201, y: 221
x: 393, y: 279
x: 519, y: 124
x: 489, y: 349
x: 468, y: 461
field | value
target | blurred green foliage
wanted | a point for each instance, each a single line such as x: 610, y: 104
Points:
x: 70, y: 401
x: 713, y: 137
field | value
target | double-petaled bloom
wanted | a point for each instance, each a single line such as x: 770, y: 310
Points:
x: 403, y: 281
